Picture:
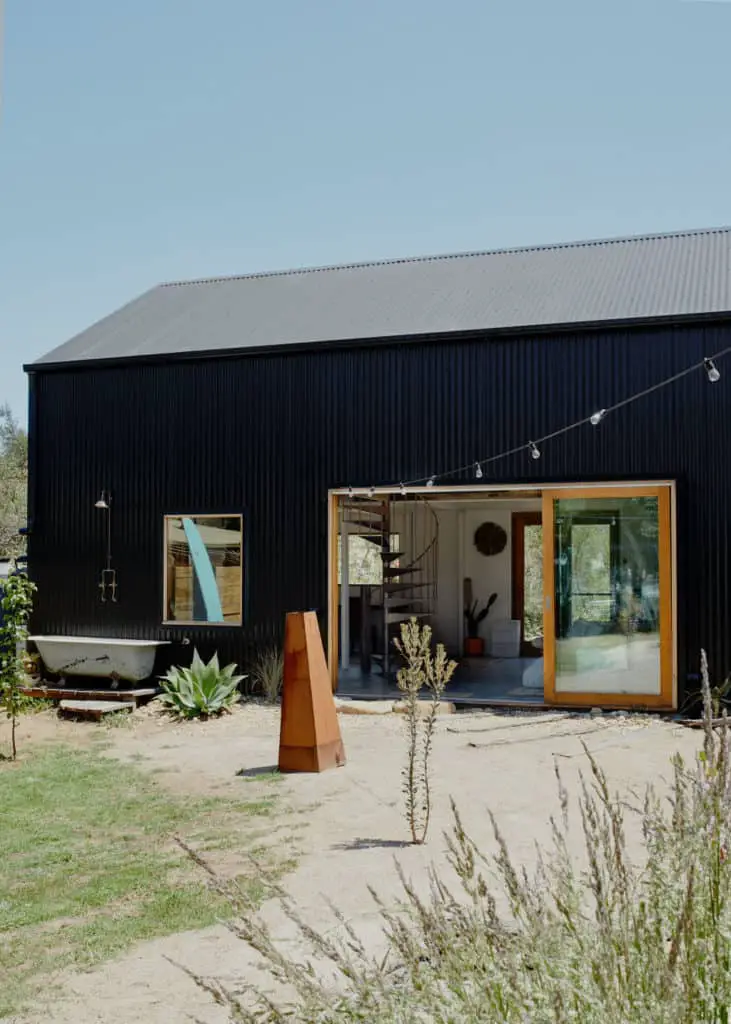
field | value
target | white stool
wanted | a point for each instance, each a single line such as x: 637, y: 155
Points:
x: 504, y: 639
x: 533, y: 675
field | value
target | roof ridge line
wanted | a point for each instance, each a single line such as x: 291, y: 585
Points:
x: 439, y: 257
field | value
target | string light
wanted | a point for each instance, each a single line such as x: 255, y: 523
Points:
x: 371, y: 491
x: 708, y: 364
x: 350, y: 492
x: 712, y: 370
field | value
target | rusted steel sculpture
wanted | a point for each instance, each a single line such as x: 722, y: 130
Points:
x: 310, y: 733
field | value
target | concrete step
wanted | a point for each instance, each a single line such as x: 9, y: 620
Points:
x: 95, y: 709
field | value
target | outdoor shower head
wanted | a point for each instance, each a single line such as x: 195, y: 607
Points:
x: 108, y: 576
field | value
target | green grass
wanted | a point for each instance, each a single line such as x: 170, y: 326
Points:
x: 33, y: 705
x: 89, y: 866
x: 268, y: 777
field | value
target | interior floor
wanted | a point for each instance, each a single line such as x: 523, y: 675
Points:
x: 476, y: 681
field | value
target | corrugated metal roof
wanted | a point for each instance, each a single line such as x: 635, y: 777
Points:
x: 653, y: 276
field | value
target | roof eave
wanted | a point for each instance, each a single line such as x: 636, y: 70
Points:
x: 203, y: 355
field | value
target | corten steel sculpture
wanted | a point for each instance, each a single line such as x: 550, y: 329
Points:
x: 310, y: 734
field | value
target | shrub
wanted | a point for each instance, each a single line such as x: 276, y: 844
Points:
x: 33, y: 705
x: 201, y: 691
x: 423, y: 670
x: 267, y: 675
x: 615, y: 943
x: 17, y: 603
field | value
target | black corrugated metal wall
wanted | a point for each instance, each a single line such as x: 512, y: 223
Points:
x: 269, y: 434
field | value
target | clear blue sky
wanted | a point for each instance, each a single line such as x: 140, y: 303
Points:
x: 158, y: 139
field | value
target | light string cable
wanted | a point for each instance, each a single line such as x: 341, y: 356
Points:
x: 708, y: 363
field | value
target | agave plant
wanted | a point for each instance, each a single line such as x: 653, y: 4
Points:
x: 201, y: 691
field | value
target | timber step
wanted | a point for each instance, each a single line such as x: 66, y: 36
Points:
x: 371, y: 506
x: 393, y: 571
x: 398, y: 605
x: 397, y: 618
x: 397, y: 588
x: 134, y: 697
x: 394, y: 618
x: 95, y: 709
x: 376, y: 527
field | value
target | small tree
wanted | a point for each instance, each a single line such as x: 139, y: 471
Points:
x: 17, y: 603
x: 423, y: 669
x: 13, y: 482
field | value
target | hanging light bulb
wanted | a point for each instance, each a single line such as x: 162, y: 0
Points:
x: 712, y: 370
x: 430, y: 482
x: 596, y: 417
x: 371, y: 491
x: 402, y: 488
x: 535, y: 451
x: 478, y: 471
x: 350, y: 492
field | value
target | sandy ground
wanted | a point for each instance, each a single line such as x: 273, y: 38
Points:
x: 347, y: 825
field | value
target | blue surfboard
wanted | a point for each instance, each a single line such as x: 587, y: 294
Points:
x: 205, y: 574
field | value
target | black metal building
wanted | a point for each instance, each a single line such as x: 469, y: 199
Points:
x: 258, y: 396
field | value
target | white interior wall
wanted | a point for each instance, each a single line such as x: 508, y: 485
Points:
x: 489, y: 575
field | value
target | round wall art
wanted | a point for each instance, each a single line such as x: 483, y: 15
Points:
x: 490, y: 539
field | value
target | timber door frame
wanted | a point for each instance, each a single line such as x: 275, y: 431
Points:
x: 333, y: 639
x: 519, y: 521
x: 667, y: 698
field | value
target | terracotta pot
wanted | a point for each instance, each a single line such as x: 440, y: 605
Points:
x: 474, y: 646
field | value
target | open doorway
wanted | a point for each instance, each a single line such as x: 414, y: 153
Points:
x: 441, y: 557
x: 577, y: 581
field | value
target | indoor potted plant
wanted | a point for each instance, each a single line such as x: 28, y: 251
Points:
x: 474, y: 645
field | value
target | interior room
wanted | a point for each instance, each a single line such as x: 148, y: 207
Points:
x: 556, y: 596
x: 477, y: 581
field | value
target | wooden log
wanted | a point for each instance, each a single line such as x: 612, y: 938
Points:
x: 135, y: 696
x: 309, y: 739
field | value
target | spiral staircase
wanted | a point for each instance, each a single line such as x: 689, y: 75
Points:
x: 405, y: 538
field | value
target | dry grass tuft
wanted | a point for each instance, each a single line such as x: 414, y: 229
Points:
x: 617, y: 942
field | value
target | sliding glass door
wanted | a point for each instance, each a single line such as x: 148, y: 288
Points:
x: 608, y: 596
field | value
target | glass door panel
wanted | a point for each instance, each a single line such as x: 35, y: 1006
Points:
x: 607, y: 598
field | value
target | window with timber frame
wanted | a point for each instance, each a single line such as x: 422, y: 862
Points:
x: 204, y: 582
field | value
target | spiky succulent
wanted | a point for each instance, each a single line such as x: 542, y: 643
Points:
x: 201, y: 691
